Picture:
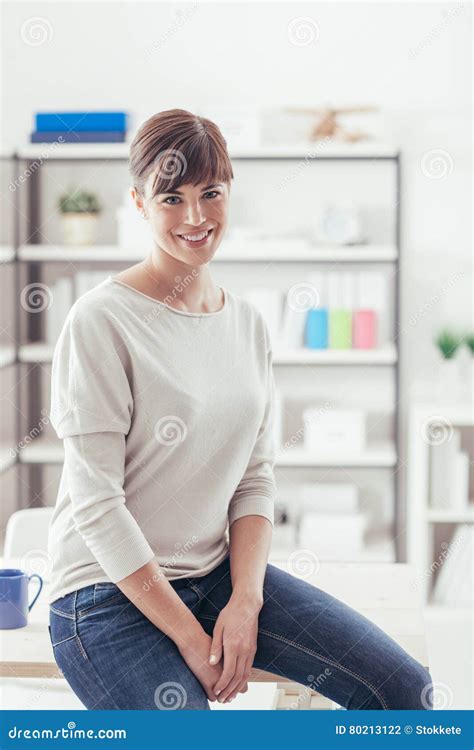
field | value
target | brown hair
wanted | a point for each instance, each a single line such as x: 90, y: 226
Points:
x: 182, y: 148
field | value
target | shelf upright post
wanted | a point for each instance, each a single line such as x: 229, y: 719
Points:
x: 34, y: 326
x: 400, y: 507
x: 17, y: 328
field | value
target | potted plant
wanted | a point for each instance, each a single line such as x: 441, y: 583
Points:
x: 469, y: 373
x: 448, y: 343
x: 79, y: 211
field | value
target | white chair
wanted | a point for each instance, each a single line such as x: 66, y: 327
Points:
x: 27, y: 532
x: 26, y: 540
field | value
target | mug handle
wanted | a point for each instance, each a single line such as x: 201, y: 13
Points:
x: 35, y: 575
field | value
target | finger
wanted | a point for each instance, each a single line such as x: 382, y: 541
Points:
x: 242, y: 687
x: 215, y: 653
x: 230, y: 660
x: 236, y: 679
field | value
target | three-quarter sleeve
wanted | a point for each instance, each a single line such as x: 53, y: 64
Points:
x: 256, y: 491
x: 91, y: 410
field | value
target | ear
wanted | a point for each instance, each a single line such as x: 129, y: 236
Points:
x: 138, y: 200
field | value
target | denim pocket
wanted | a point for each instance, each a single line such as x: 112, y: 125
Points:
x: 103, y: 595
x: 62, y: 627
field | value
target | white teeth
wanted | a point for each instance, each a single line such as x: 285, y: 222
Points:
x: 194, y: 237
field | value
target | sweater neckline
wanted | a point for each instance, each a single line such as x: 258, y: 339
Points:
x: 173, y: 309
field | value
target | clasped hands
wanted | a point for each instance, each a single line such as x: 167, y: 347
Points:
x: 223, y: 663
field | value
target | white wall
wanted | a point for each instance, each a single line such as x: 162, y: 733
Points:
x: 409, y: 59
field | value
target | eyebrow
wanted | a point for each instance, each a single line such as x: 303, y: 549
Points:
x: 179, y: 192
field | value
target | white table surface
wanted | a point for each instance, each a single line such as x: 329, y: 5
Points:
x: 384, y: 592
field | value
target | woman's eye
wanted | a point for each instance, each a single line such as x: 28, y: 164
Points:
x: 172, y: 200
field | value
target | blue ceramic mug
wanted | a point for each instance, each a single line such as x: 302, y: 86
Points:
x: 14, y: 605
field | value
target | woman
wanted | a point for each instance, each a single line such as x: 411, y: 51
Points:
x: 163, y: 393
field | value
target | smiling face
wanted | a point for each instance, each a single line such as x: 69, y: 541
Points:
x: 189, y: 221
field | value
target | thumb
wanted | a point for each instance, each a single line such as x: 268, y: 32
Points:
x: 216, y: 646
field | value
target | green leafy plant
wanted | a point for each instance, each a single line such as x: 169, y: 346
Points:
x: 448, y: 343
x: 469, y: 341
x: 79, y: 202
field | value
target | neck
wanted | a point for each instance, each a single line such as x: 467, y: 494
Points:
x: 190, y: 286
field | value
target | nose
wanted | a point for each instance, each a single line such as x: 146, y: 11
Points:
x: 194, y: 213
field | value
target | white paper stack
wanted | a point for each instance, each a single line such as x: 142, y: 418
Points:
x: 319, y: 283
x: 62, y: 295
x: 449, y: 474
x: 341, y: 290
x: 292, y: 328
x: 268, y: 301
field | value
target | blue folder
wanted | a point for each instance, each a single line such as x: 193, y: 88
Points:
x: 80, y: 121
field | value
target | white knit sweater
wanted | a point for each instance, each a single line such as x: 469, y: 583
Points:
x: 167, y: 423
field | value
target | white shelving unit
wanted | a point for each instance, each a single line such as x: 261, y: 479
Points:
x: 43, y: 352
x: 31, y: 256
x: 43, y: 451
x: 228, y: 253
x: 420, y: 517
x: 8, y: 357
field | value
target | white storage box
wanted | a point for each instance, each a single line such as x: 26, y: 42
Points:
x: 329, y: 497
x: 332, y: 536
x: 334, y: 430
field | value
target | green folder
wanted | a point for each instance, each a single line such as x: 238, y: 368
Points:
x: 340, y: 329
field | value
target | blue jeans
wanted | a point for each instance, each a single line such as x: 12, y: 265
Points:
x: 113, y: 657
